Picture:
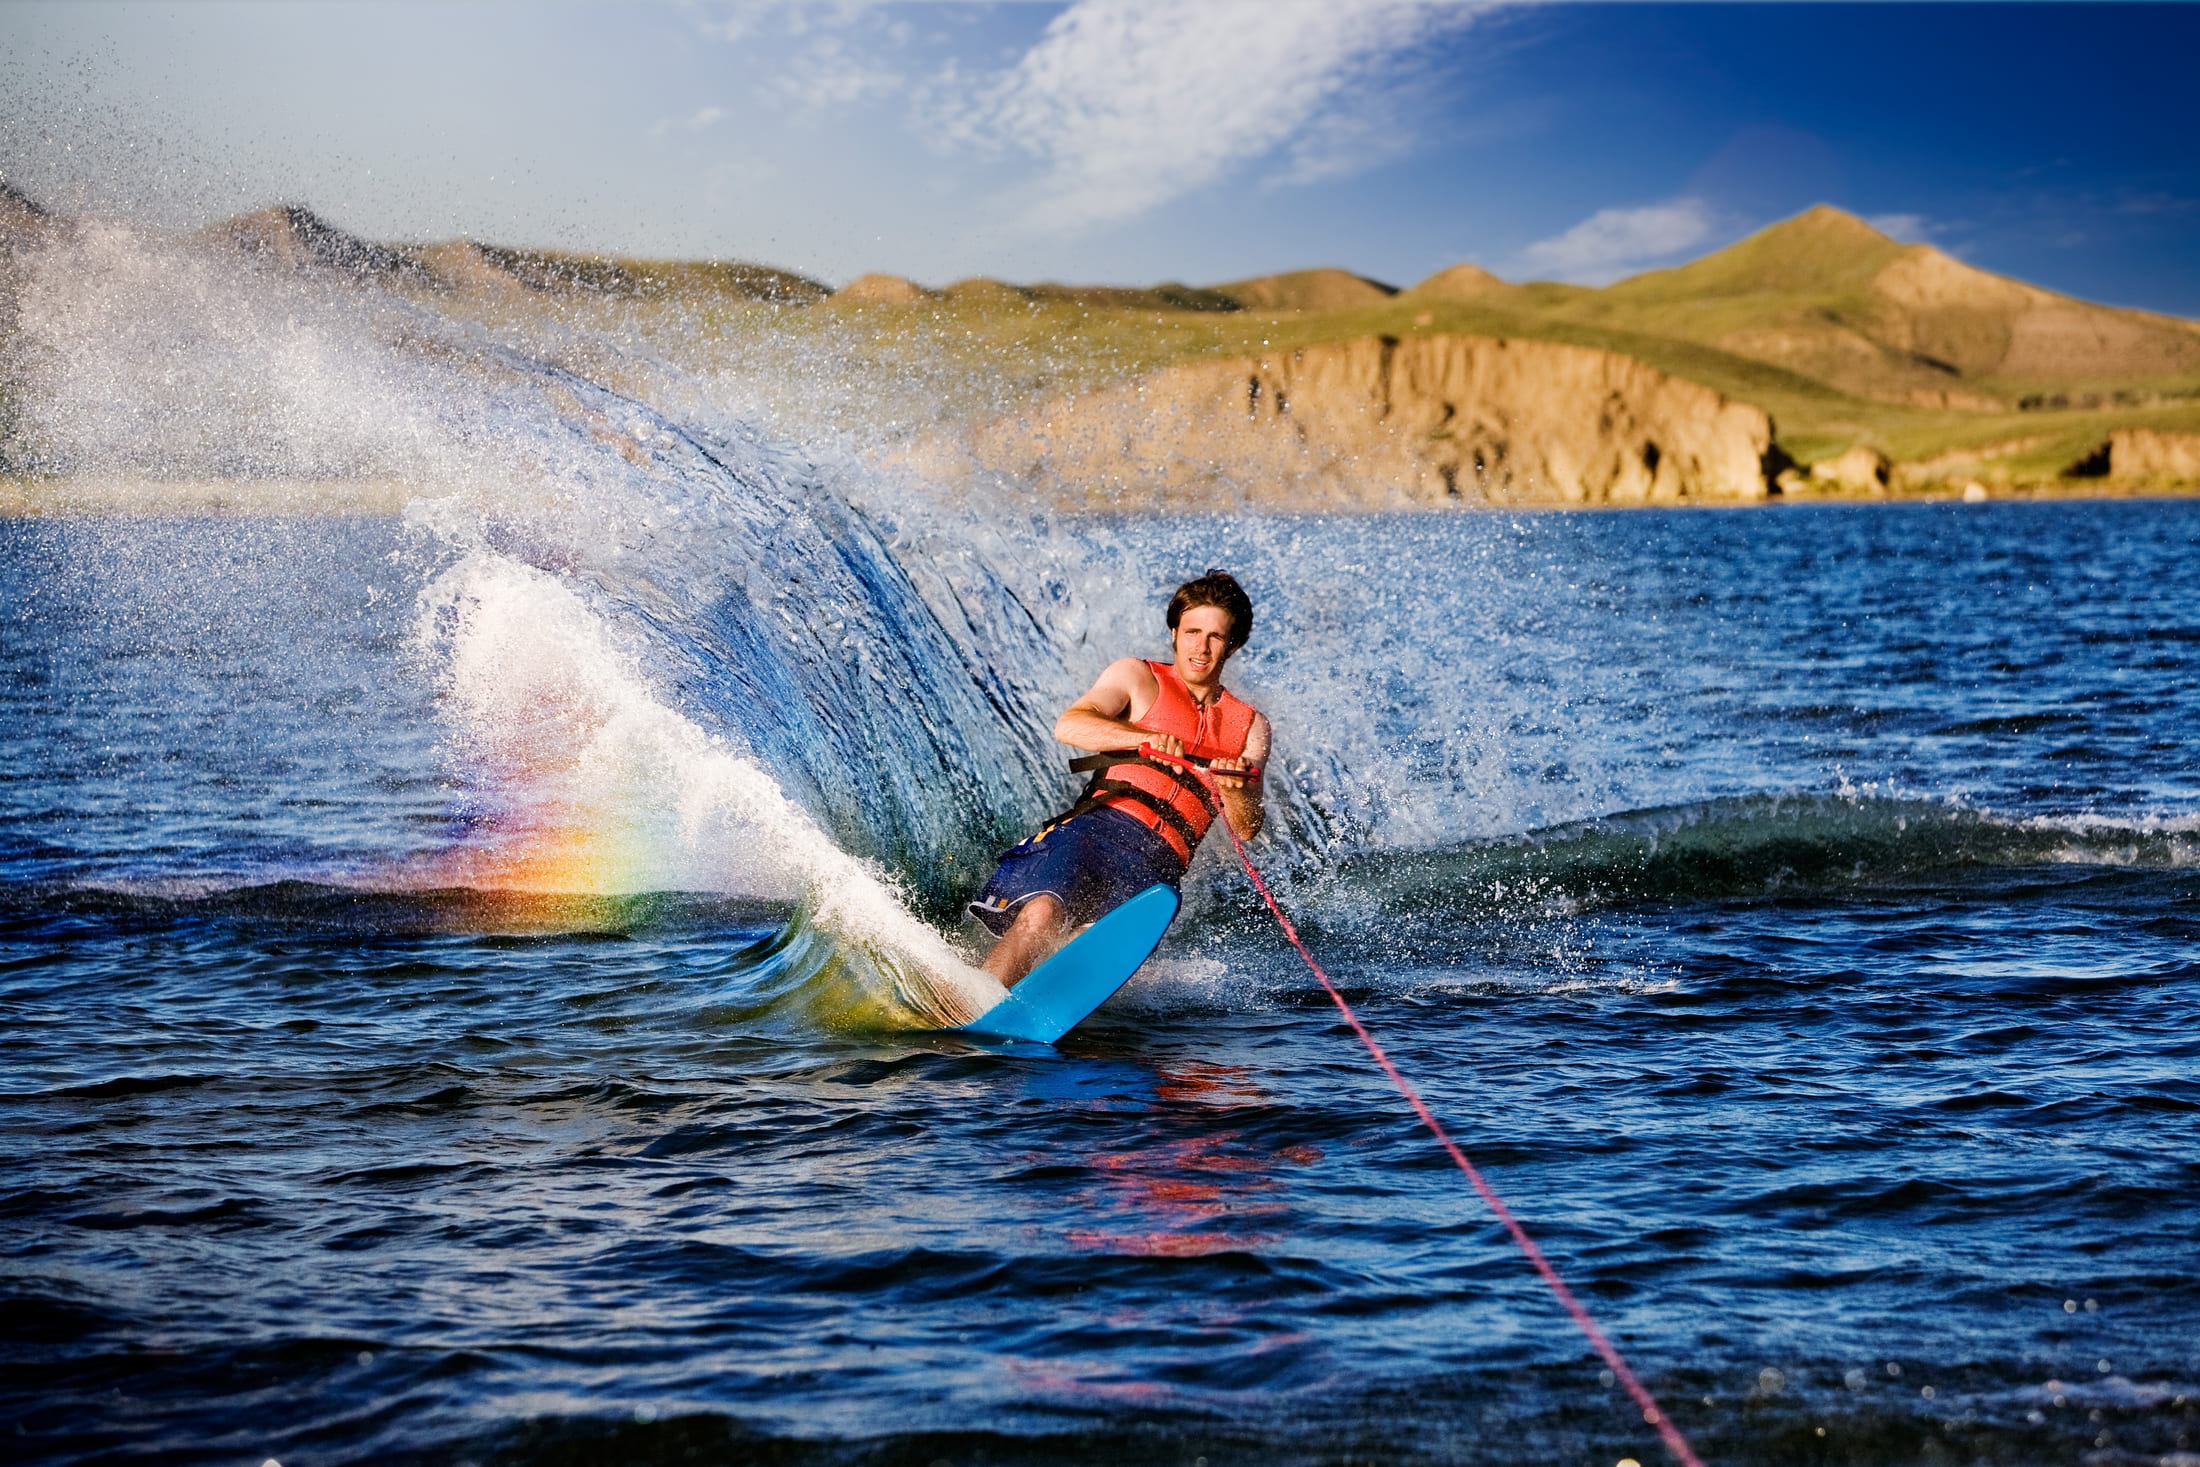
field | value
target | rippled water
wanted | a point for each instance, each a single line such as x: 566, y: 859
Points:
x: 1794, y: 912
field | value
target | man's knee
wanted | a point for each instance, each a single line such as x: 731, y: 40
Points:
x: 1040, y: 913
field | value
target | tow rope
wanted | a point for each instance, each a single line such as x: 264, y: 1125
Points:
x: 1651, y: 1413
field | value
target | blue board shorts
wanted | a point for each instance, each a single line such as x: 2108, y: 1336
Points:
x: 1091, y: 865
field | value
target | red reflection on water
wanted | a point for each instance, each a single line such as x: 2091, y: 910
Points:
x: 1184, y: 1195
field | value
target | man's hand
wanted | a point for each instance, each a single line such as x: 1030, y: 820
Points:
x: 1240, y: 801
x: 1229, y: 773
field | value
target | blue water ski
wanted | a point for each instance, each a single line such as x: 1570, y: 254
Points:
x: 1062, y: 991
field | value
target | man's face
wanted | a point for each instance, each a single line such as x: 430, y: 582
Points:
x: 1202, y: 643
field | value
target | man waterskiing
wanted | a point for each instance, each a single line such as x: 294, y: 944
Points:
x: 1139, y: 820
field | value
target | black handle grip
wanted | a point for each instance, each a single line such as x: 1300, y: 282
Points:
x: 1087, y: 763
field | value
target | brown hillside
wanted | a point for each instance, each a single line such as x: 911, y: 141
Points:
x: 883, y: 290
x: 1325, y: 289
x: 985, y: 291
x: 22, y: 220
x: 561, y: 272
x: 1826, y: 295
x: 1169, y: 296
x: 462, y: 265
x: 296, y: 238
x: 1462, y: 283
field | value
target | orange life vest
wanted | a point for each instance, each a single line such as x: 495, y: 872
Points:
x: 1174, y: 803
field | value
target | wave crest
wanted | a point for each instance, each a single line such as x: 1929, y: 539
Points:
x: 1748, y: 846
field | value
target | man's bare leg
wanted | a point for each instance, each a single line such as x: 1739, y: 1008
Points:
x: 1037, y: 931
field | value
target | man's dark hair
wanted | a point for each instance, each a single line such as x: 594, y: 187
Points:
x: 1217, y: 588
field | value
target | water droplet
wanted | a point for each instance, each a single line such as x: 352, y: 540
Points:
x: 2070, y: 1306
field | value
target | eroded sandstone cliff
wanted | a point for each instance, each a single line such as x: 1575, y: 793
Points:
x: 1422, y: 420
x: 2139, y: 456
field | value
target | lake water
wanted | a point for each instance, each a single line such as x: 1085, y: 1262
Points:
x: 462, y: 978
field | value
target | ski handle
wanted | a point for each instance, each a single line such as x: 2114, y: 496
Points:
x: 1151, y: 755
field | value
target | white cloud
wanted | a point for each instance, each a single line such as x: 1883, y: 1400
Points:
x: 830, y: 73
x: 738, y: 20
x: 1360, y: 131
x: 1908, y: 228
x: 1613, y: 242
x: 1129, y: 104
x: 839, y: 46
x: 696, y: 121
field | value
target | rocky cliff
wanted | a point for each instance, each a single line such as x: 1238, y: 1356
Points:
x: 2142, y: 457
x: 1423, y: 420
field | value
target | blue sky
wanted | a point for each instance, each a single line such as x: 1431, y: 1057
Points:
x: 1108, y: 140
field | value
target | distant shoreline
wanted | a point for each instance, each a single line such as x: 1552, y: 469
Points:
x: 1818, y: 360
x: 386, y: 499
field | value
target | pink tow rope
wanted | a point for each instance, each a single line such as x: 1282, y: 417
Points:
x: 1674, y: 1441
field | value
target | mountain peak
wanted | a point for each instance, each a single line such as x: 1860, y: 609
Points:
x: 1822, y: 250
x: 1463, y: 282
x: 1323, y: 289
x: 1824, y: 221
x: 293, y: 236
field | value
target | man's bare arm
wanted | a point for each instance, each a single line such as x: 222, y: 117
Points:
x: 1100, y: 721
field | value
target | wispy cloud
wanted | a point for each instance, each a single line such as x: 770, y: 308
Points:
x: 741, y: 20
x: 1613, y: 242
x: 1128, y: 104
x: 826, y: 53
x: 2156, y: 202
x: 1362, y: 129
x: 829, y: 72
x: 1908, y: 228
x: 695, y: 121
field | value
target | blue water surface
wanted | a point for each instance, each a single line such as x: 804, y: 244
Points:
x: 1793, y: 911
